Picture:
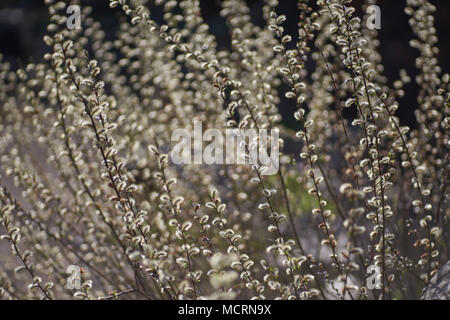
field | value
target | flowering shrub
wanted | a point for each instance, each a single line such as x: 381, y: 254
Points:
x: 93, y: 207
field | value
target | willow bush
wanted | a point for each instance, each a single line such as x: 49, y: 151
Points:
x: 93, y: 207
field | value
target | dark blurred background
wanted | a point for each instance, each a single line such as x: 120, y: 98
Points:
x: 23, y: 23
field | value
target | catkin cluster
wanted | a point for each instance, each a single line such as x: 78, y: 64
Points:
x: 92, y: 207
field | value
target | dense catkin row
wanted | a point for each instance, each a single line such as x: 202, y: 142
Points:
x: 93, y: 207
